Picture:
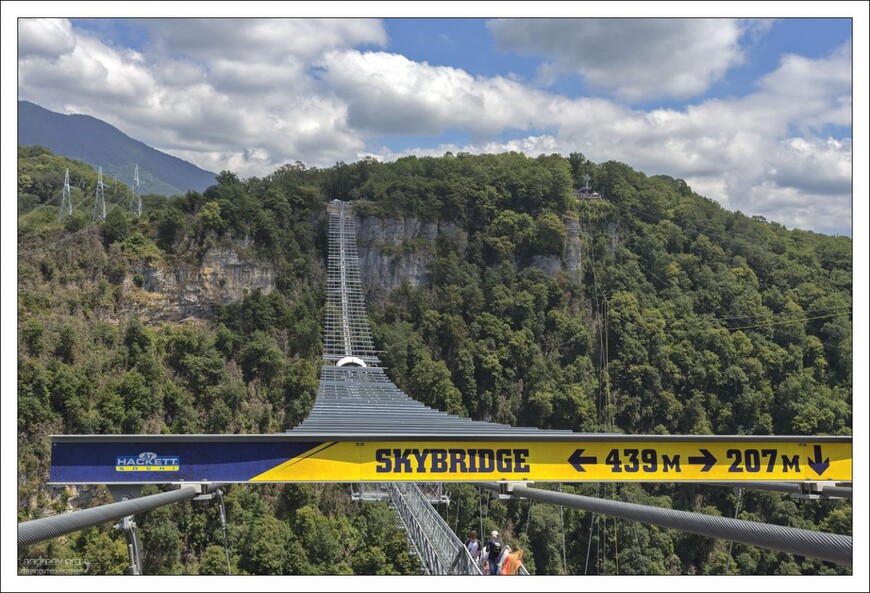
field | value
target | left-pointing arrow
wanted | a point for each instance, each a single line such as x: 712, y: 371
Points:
x: 577, y: 460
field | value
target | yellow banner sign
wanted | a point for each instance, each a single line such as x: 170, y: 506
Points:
x: 466, y: 461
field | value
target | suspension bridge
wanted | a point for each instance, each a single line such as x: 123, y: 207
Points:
x: 365, y: 431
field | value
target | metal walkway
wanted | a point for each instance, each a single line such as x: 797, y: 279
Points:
x: 440, y: 551
x: 363, y: 401
x: 356, y: 396
x: 346, y: 327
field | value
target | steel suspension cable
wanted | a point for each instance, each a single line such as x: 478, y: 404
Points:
x: 37, y: 530
x: 31, y: 532
x: 802, y: 542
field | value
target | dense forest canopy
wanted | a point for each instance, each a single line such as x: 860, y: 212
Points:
x: 684, y: 318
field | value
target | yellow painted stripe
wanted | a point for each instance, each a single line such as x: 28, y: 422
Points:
x: 286, y: 467
x: 456, y: 461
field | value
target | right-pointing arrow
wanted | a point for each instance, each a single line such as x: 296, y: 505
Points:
x: 817, y: 464
x: 708, y: 460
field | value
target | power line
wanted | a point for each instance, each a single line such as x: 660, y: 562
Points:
x: 731, y: 543
x: 803, y: 312
x: 55, y: 243
x: 30, y: 214
x: 823, y: 490
x: 600, y: 341
x: 69, y: 237
x: 758, y: 325
x: 642, y: 214
x: 786, y: 322
x: 648, y: 271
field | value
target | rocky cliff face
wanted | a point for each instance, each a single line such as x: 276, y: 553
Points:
x: 170, y: 293
x: 570, y: 263
x: 396, y: 249
x: 573, y: 258
x: 390, y: 250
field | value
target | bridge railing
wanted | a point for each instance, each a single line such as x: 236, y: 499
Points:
x: 441, y: 552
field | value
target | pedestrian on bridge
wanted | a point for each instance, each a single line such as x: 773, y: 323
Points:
x: 493, y: 552
x: 474, y: 546
x: 512, y: 562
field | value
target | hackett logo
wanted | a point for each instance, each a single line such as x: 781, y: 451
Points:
x: 147, y: 462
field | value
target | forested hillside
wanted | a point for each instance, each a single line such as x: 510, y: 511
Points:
x: 684, y: 319
x: 103, y: 145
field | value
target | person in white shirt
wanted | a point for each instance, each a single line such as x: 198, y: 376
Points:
x: 474, y: 546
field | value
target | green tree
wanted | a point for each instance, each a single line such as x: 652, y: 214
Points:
x: 160, y: 542
x: 430, y: 383
x: 66, y: 344
x: 549, y: 235
x: 32, y: 331
x: 213, y: 561
x: 115, y: 227
x: 262, y: 358
x: 100, y: 553
x: 210, y: 218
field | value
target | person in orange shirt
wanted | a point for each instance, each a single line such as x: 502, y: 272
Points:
x: 513, y: 562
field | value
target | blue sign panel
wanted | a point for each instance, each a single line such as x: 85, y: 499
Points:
x: 167, y: 461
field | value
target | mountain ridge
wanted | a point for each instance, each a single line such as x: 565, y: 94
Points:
x: 100, y: 144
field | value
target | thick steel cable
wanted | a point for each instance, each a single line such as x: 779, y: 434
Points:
x: 836, y: 492
x: 31, y: 532
x: 825, y: 491
x: 802, y: 542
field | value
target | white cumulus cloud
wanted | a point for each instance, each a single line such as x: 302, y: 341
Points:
x: 388, y: 93
x: 634, y: 58
x: 743, y: 152
x: 222, y: 93
x: 45, y: 38
x: 252, y: 95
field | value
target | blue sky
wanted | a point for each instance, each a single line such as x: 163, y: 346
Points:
x: 756, y: 114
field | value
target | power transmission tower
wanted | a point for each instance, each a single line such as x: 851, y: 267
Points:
x: 100, y: 202
x: 66, y: 200
x: 136, y: 199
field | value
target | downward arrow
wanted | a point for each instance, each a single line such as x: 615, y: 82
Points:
x: 817, y: 464
x: 708, y: 460
x: 577, y: 460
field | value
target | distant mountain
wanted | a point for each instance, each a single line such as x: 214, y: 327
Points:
x: 101, y: 145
